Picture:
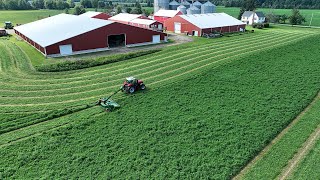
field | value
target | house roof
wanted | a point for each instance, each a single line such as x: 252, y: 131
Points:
x: 249, y: 13
x: 143, y: 21
x: 185, y: 3
x: 197, y: 3
x: 90, y: 14
x: 174, y: 3
x: 260, y: 14
x: 208, y: 3
x: 54, y: 29
x: 125, y: 17
x: 166, y: 13
x: 211, y: 20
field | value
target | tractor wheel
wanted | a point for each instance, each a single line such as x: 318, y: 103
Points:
x: 142, y: 86
x: 131, y: 90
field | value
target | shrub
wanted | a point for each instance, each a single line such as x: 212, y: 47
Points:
x: 86, y: 63
x: 266, y: 25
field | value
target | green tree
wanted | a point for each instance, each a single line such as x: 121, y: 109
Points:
x: 95, y: 3
x: 49, y: 4
x: 79, y: 10
x: 101, y: 4
x: 119, y: 9
x: 296, y: 18
x: 1, y: 4
x: 86, y: 3
x: 38, y: 4
x: 283, y: 18
x: 71, y: 3
x: 128, y: 10
x: 247, y: 5
x: 66, y: 11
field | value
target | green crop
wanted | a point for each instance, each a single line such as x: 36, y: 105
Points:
x: 210, y: 106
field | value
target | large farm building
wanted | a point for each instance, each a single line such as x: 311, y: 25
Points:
x: 198, y: 24
x: 64, y: 34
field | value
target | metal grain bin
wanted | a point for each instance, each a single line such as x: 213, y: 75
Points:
x: 197, y: 4
x: 208, y: 7
x: 193, y: 10
x: 185, y: 4
x: 160, y: 4
x: 182, y: 9
x: 173, y: 5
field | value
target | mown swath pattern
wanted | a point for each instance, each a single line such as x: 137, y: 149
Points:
x: 25, y: 92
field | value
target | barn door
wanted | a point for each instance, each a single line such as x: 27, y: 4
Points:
x: 177, y: 27
x: 156, y: 39
x: 65, y: 49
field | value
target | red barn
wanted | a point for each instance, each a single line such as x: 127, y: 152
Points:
x: 163, y: 15
x: 97, y: 15
x: 198, y: 24
x: 64, y: 35
x: 137, y: 20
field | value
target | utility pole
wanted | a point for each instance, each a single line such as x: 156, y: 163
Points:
x: 311, y: 19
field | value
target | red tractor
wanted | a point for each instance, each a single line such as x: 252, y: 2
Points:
x: 131, y: 84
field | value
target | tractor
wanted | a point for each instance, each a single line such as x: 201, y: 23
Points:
x: 8, y: 25
x: 131, y: 85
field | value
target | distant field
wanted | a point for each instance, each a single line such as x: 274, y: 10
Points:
x: 21, y: 17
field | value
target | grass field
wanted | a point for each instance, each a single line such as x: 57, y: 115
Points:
x: 21, y: 17
x: 309, y: 168
x: 204, y: 116
x: 275, y: 160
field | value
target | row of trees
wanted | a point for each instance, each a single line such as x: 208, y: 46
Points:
x: 36, y: 4
x: 278, y: 4
x: 295, y: 19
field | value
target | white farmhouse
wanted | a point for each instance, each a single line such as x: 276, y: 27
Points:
x: 250, y: 17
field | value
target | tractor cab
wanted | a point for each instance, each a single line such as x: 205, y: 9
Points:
x: 131, y: 80
x: 8, y: 25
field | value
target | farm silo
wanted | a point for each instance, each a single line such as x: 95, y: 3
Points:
x: 197, y: 4
x: 173, y: 5
x: 185, y: 4
x: 161, y: 4
x: 182, y: 9
x: 208, y: 7
x: 193, y: 10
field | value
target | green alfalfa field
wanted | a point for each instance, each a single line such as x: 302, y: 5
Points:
x: 209, y: 108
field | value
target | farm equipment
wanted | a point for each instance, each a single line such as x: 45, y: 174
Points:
x: 131, y: 84
x: 3, y: 32
x: 108, y: 103
x: 8, y: 25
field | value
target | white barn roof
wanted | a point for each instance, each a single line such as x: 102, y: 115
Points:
x: 166, y: 13
x: 143, y: 21
x: 125, y: 17
x: 90, y: 14
x: 212, y: 20
x: 57, y: 28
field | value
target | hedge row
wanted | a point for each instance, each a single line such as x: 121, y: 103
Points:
x: 86, y: 63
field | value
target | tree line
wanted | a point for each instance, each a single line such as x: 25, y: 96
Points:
x: 276, y: 4
x: 51, y: 4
